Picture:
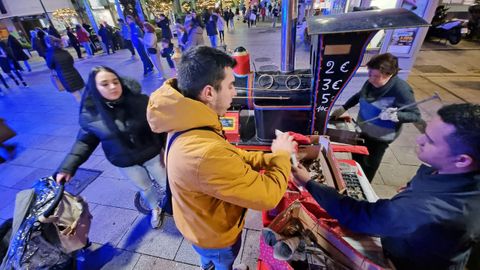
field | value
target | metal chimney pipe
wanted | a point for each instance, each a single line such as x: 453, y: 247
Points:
x: 289, y: 34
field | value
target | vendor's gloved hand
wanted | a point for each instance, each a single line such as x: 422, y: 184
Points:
x: 389, y: 114
x: 337, y: 113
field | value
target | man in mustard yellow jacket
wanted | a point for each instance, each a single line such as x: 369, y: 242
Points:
x: 212, y: 182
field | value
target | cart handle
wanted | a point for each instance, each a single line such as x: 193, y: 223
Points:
x: 56, y: 200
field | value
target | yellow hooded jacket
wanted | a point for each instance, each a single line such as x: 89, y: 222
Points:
x: 212, y: 182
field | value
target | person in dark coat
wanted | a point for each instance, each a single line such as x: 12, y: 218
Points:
x: 62, y: 62
x: 5, y: 59
x: 17, y: 51
x: 433, y: 222
x: 74, y: 42
x: 167, y: 53
x: 381, y: 95
x: 105, y: 33
x: 52, y: 31
x: 113, y: 114
x: 210, y: 21
x: 37, y: 44
x: 164, y: 24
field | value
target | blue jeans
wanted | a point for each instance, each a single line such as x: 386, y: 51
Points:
x: 220, y: 258
x: 213, y: 41
x: 147, y: 64
x: 140, y: 176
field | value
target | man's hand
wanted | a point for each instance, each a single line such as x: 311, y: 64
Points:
x: 389, y: 114
x: 63, y: 176
x: 301, y: 175
x: 284, y: 142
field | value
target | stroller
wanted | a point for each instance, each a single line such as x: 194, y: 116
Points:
x: 49, y: 225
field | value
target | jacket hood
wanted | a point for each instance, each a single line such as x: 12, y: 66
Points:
x: 169, y: 111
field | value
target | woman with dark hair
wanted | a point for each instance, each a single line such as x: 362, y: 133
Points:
x: 5, y: 59
x: 113, y: 113
x: 381, y: 95
x: 61, y: 61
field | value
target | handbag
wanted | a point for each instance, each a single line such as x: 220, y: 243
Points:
x: 5, y: 131
x: 56, y: 81
x: 152, y: 50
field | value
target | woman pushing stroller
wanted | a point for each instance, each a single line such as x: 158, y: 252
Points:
x: 113, y: 113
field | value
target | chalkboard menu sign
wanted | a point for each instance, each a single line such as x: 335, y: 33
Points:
x: 339, y: 56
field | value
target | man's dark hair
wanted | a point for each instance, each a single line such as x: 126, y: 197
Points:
x: 202, y: 66
x: 386, y: 63
x: 465, y: 118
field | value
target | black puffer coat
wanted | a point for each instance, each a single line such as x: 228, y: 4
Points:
x: 62, y: 62
x: 17, y: 49
x: 132, y: 143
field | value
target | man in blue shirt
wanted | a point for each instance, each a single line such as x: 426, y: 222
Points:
x: 136, y: 35
x: 435, y: 220
x: 125, y: 32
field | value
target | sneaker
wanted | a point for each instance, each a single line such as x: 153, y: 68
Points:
x: 240, y: 266
x: 156, y: 221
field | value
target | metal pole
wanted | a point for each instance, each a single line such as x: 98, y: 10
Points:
x: 88, y: 9
x: 138, y: 7
x: 289, y: 32
x: 46, y: 13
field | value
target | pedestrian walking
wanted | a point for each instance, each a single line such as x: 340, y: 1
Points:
x: 74, y: 42
x: 37, y: 44
x: 136, y: 36
x: 126, y: 35
x: 164, y: 24
x: 18, y: 51
x: 151, y: 46
x: 231, y: 19
x: 274, y: 16
x: 220, y: 26
x: 52, y: 31
x: 61, y: 62
x: 167, y: 52
x: 210, y: 21
x: 83, y: 39
x: 5, y: 58
x: 194, y: 35
x: 113, y: 114
x: 106, y: 35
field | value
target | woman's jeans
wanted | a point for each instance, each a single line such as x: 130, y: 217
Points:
x: 87, y: 47
x: 213, y: 41
x: 155, y: 58
x: 220, y: 258
x: 140, y: 176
